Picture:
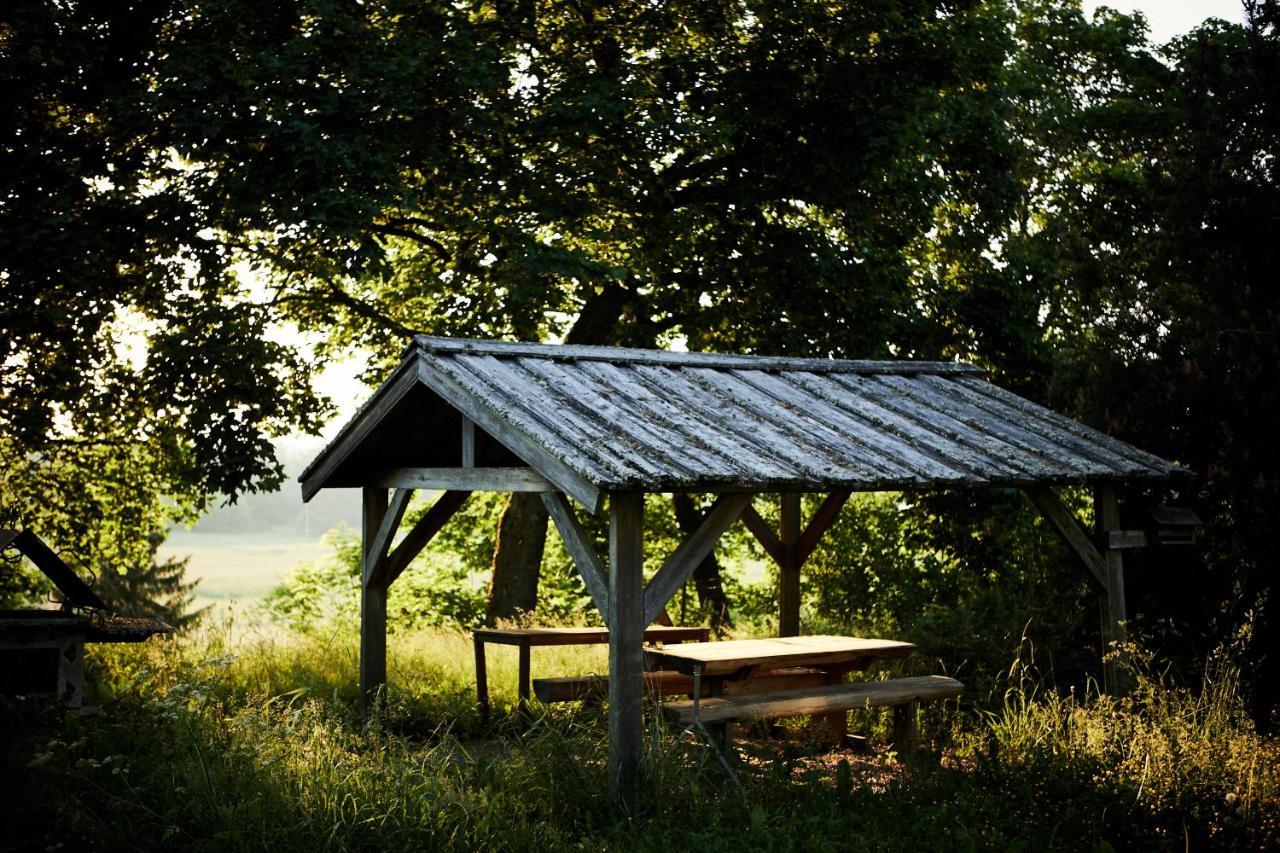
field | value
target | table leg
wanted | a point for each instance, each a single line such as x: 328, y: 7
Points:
x: 482, y: 682
x: 835, y: 726
x: 524, y: 682
x: 904, y: 723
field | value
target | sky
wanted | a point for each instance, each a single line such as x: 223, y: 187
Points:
x: 1168, y: 18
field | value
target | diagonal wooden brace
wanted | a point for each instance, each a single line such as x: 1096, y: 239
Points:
x: 376, y: 551
x: 1064, y: 521
x: 763, y: 532
x: 422, y: 533
x: 677, y: 568
x: 578, y: 544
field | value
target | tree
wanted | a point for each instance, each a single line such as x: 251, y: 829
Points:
x: 105, y: 441
x: 654, y: 171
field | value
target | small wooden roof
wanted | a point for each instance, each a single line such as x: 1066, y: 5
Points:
x: 593, y: 420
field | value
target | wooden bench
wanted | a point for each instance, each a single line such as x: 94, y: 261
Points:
x: 576, y: 688
x: 901, y: 694
x: 526, y: 638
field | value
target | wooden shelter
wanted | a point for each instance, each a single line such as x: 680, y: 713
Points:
x: 42, y: 650
x: 603, y: 425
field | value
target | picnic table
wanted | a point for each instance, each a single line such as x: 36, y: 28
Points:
x: 527, y: 638
x: 735, y: 664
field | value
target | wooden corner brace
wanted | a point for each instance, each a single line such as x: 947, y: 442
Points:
x: 675, y: 570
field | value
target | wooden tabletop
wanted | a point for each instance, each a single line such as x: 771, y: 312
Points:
x: 581, y: 636
x: 726, y: 658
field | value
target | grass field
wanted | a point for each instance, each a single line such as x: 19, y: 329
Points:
x: 240, y: 568
x: 249, y: 741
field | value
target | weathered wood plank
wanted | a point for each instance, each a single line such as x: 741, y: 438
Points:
x: 882, y: 444
x: 1128, y: 539
x: 701, y: 429
x: 1031, y: 409
x: 763, y: 533
x: 668, y: 683
x: 619, y: 355
x: 544, y: 403
x: 422, y: 533
x: 817, y: 700
x: 682, y: 454
x: 468, y: 442
x: 823, y: 517
x: 373, y: 604
x: 927, y: 438
x: 1053, y: 454
x: 1028, y: 419
x: 789, y: 566
x: 375, y: 552
x: 762, y: 436
x: 728, y: 657
x: 677, y: 567
x: 563, y: 465
x: 1064, y: 521
x: 626, y: 645
x: 801, y: 435
x: 586, y: 636
x: 464, y: 479
x: 580, y: 549
x: 925, y: 416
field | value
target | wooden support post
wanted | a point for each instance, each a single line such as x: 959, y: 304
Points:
x: 626, y: 638
x: 523, y: 685
x: 373, y: 602
x: 789, y: 567
x: 1115, y: 635
x: 482, y: 681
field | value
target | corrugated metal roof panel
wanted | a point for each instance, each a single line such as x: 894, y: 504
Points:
x: 643, y: 420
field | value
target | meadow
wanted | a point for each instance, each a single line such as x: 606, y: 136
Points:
x: 242, y: 736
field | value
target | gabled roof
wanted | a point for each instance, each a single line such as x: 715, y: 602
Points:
x: 594, y: 420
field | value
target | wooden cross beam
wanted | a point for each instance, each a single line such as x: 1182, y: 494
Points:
x: 423, y: 532
x: 375, y: 551
x: 791, y: 547
x: 1065, y: 523
x: 674, y: 571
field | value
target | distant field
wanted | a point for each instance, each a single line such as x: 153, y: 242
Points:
x: 240, y: 567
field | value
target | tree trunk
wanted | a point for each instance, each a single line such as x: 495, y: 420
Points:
x: 706, y: 577
x: 517, y: 558
x: 522, y: 530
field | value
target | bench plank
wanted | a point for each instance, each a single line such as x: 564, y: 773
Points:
x: 574, y: 688
x: 819, y: 700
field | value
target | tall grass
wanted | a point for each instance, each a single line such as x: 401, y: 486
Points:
x: 247, y: 739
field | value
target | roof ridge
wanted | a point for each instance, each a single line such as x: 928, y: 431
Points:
x: 670, y: 358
